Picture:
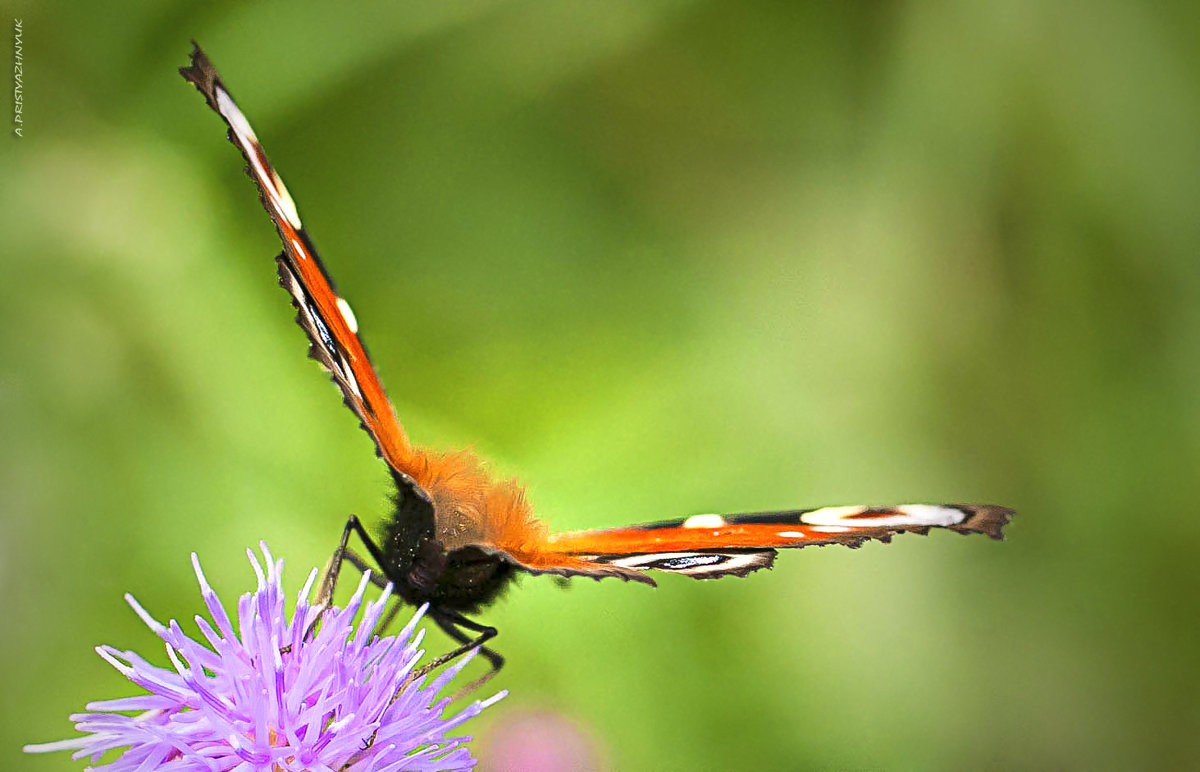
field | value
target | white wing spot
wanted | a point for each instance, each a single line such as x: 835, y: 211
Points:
x: 927, y: 514
x: 284, y: 202
x: 299, y: 249
x: 897, y: 517
x: 351, y: 381
x: 829, y: 515
x: 704, y: 521
x: 791, y: 534
x: 280, y: 198
x: 348, y: 315
x: 232, y: 114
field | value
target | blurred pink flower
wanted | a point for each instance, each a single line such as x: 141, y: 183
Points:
x: 539, y: 741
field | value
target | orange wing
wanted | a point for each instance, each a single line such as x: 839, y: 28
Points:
x: 323, y: 314
x: 711, y: 546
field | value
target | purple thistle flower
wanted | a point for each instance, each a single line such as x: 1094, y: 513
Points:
x: 265, y: 697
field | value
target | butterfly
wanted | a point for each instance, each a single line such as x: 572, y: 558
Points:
x: 458, y: 535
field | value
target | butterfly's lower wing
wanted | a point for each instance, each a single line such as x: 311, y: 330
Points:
x: 323, y: 314
x: 712, y: 546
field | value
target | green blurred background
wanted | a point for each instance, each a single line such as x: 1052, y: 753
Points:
x: 657, y: 257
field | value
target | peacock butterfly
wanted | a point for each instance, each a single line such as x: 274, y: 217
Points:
x: 458, y: 535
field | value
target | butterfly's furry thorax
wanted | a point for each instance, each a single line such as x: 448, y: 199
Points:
x: 471, y: 507
x: 450, y: 548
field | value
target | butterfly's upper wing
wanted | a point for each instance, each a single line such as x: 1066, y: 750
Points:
x: 323, y: 314
x: 711, y: 546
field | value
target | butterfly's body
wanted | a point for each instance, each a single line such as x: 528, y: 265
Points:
x: 458, y: 535
x: 431, y: 549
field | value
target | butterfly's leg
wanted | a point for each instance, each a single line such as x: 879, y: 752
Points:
x: 343, y: 554
x: 380, y: 581
x: 450, y: 626
x: 450, y: 621
x: 377, y: 577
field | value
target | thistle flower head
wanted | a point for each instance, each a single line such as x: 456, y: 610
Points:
x: 267, y: 696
